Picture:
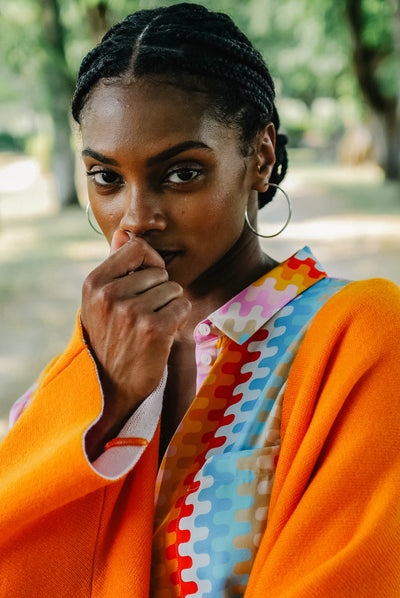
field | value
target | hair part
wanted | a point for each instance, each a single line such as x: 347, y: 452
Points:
x: 195, y: 49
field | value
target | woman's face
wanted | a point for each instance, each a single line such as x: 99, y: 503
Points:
x: 160, y: 167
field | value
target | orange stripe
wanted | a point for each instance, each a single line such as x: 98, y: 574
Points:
x: 126, y: 441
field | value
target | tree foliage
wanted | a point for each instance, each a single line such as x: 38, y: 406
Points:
x: 346, y: 50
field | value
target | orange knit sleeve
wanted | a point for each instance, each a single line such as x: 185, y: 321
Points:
x: 334, y: 520
x: 65, y: 530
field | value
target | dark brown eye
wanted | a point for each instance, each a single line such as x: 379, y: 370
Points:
x: 183, y: 175
x: 108, y: 177
x: 104, y: 177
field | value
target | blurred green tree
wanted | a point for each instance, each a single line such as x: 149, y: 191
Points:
x: 375, y: 29
x: 41, y: 45
x: 311, y: 51
x: 337, y: 49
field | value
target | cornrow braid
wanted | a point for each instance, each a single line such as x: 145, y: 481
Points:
x: 195, y: 49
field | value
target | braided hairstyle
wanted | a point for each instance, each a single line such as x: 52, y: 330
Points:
x: 195, y: 49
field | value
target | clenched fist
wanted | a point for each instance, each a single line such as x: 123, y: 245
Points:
x: 130, y: 313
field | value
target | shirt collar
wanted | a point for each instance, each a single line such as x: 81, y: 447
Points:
x: 243, y: 315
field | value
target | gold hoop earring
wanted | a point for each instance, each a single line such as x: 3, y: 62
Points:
x: 253, y: 230
x: 88, y: 215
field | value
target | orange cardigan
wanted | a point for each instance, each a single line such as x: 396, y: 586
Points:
x: 334, y: 519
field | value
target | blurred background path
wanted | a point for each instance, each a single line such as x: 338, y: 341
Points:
x: 349, y: 217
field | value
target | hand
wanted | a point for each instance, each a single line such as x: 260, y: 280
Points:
x: 131, y: 313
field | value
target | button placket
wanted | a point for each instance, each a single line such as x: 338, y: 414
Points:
x: 204, y: 329
x: 206, y: 358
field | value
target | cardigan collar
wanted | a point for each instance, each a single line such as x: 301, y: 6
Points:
x: 250, y: 309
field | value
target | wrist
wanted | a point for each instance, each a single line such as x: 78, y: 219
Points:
x: 114, y: 417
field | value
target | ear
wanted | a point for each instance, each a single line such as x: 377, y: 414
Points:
x: 263, y: 159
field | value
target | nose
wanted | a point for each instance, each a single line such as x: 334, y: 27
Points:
x: 142, y: 212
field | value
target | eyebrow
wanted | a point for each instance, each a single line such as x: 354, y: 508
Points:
x: 161, y: 157
x: 100, y: 157
x: 177, y: 149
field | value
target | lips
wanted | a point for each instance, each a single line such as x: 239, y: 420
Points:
x: 167, y: 255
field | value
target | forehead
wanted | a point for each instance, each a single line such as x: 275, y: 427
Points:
x: 148, y: 113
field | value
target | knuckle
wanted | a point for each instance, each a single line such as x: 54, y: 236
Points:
x: 156, y: 275
x: 89, y: 283
x: 164, y: 276
x: 107, y: 295
x: 138, y: 241
x: 175, y: 288
x: 186, y: 304
x: 138, y: 245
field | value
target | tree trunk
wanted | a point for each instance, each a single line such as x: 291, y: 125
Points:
x: 385, y: 109
x: 63, y: 163
x: 393, y: 122
x: 391, y: 165
x: 385, y: 131
x: 59, y: 84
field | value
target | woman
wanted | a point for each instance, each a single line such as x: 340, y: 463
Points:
x: 267, y: 391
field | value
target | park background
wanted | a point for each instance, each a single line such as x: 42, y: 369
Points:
x: 336, y: 64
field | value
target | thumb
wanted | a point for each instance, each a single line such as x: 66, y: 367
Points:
x: 120, y: 237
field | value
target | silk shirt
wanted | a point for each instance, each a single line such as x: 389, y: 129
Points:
x: 215, y: 481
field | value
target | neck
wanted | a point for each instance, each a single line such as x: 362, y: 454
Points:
x: 244, y: 263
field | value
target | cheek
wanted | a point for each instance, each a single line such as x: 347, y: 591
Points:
x: 203, y: 220
x: 227, y: 214
x: 216, y: 227
x: 107, y: 215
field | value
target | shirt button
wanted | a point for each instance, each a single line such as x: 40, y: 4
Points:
x: 206, y: 359
x: 204, y: 329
